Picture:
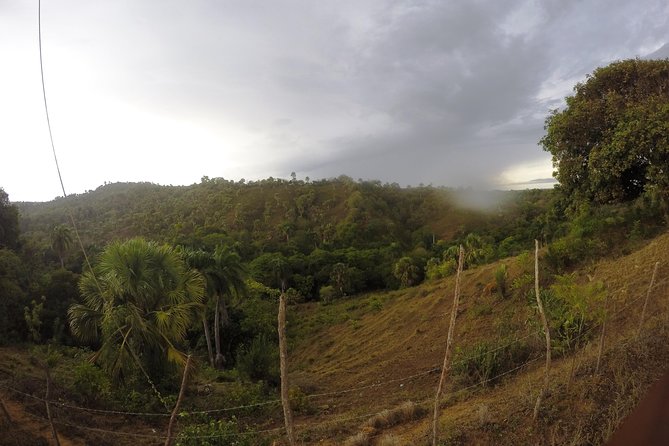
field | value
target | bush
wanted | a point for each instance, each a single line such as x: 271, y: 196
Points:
x: 436, y: 269
x: 501, y: 277
x: 570, y: 251
x: 260, y: 360
x: 484, y: 361
x: 90, y: 384
x: 216, y: 433
x: 570, y: 309
x: 327, y: 293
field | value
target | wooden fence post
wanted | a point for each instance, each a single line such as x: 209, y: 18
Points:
x: 283, y: 355
x: 546, y: 331
x: 182, y: 391
x: 47, y: 398
x: 447, y: 356
x: 601, y: 347
x: 645, y: 304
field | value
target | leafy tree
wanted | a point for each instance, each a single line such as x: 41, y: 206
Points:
x: 9, y: 222
x: 406, y: 272
x: 224, y: 277
x: 61, y: 239
x: 327, y: 293
x: 33, y: 318
x: 60, y: 288
x: 611, y: 142
x: 12, y: 296
x: 340, y: 278
x: 139, y: 303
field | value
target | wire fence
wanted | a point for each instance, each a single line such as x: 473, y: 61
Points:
x: 336, y: 420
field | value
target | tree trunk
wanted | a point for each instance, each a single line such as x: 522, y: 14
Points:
x: 447, y: 356
x: 225, y: 317
x: 217, y: 334
x: 207, y: 336
x: 182, y: 391
x: 283, y: 354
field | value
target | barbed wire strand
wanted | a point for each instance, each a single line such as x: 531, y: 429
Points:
x: 343, y: 391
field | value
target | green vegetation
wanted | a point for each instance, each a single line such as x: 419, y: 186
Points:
x: 610, y: 143
x: 139, y: 303
x: 198, y: 270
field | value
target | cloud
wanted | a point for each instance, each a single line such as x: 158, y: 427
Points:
x: 448, y: 93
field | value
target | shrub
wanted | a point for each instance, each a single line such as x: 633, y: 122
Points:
x: 327, y: 294
x: 407, y: 411
x: 260, y: 360
x: 299, y: 401
x: 90, y: 384
x: 571, y: 308
x: 390, y: 440
x: 436, y: 269
x: 484, y: 361
x: 216, y: 433
x: 501, y: 277
x: 359, y: 439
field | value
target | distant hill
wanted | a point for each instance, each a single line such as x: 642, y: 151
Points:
x: 660, y: 53
x: 279, y: 215
x: 367, y: 226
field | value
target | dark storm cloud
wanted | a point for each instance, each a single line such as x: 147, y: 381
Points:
x: 466, y: 85
x: 428, y: 91
x: 442, y: 92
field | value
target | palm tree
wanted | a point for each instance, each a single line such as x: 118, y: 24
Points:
x: 61, y: 239
x: 139, y: 303
x: 224, y: 277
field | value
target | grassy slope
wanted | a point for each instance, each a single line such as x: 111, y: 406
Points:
x: 372, y: 343
x: 385, y: 338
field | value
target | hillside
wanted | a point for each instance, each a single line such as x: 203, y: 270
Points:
x: 360, y: 361
x: 391, y: 353
x: 288, y: 216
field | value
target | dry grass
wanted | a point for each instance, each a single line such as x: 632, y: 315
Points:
x: 359, y: 439
x: 407, y: 336
x: 407, y: 411
x: 391, y: 440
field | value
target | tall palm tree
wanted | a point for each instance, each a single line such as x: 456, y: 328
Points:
x: 139, y: 303
x: 61, y: 240
x: 228, y: 281
x: 224, y: 275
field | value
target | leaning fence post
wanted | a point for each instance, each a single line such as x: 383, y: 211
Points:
x: 182, y: 391
x: 645, y: 304
x: 546, y: 331
x: 601, y: 346
x: 47, y: 398
x: 449, y: 340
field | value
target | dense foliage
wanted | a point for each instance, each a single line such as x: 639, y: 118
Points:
x: 139, y: 303
x: 352, y: 236
x: 611, y: 142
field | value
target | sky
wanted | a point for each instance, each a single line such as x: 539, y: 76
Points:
x: 449, y: 93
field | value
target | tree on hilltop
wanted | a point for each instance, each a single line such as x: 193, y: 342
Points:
x: 611, y: 142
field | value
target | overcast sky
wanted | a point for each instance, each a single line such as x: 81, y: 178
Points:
x: 445, y: 92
